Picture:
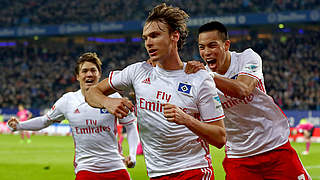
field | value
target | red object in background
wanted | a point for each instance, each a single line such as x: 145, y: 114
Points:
x: 316, y: 132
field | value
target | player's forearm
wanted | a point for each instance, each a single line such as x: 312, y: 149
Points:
x: 232, y: 87
x: 95, y: 97
x: 213, y: 134
x: 34, y: 124
x: 133, y: 140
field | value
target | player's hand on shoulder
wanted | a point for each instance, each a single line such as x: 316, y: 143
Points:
x: 12, y: 123
x: 193, y: 67
x: 119, y: 107
x: 175, y: 114
x: 128, y: 162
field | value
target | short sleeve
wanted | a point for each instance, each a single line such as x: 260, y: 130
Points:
x: 123, y: 80
x: 209, y: 102
x: 251, y: 64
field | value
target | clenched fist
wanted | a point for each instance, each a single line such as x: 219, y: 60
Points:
x: 12, y: 123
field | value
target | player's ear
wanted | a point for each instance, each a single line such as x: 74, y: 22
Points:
x: 175, y: 36
x: 227, y: 45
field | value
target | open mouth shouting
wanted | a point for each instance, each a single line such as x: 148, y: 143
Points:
x: 212, y: 63
x: 89, y: 82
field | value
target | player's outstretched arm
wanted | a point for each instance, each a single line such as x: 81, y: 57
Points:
x: 33, y: 124
x: 97, y: 96
x: 133, y: 141
x: 214, y: 132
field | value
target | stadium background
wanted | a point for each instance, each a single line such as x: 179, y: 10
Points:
x: 40, y: 41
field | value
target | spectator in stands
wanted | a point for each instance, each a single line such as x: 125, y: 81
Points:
x: 293, y: 78
x: 41, y: 12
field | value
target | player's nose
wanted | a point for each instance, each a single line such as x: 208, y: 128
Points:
x: 207, y: 52
x: 148, y: 43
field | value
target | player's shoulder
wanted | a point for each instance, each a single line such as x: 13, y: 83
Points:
x: 72, y: 95
x: 250, y: 53
x: 199, y: 76
x: 246, y: 56
x: 143, y: 65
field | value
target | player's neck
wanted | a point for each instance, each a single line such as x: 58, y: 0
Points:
x: 226, y: 64
x: 83, y: 91
x: 171, y: 62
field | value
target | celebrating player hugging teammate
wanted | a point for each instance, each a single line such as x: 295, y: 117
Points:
x: 257, y: 130
x: 175, y: 143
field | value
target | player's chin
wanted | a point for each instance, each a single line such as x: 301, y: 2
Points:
x: 213, y: 69
x: 154, y: 58
x: 87, y: 87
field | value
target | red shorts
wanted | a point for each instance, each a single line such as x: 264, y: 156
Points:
x: 121, y: 174
x: 281, y: 163
x: 194, y: 174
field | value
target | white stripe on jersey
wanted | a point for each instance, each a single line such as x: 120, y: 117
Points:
x: 207, y: 173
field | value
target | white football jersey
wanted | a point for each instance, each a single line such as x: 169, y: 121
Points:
x: 94, y: 133
x: 256, y: 124
x: 167, y: 146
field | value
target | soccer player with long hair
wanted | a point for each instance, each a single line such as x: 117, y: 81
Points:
x: 178, y: 114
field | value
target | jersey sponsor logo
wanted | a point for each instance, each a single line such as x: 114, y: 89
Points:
x: 217, y: 102
x: 104, y: 111
x: 159, y: 107
x: 92, y: 130
x: 146, y: 81
x: 149, y: 105
x: 251, y: 67
x: 184, y: 88
x: 76, y: 111
x: 163, y: 96
x: 230, y: 102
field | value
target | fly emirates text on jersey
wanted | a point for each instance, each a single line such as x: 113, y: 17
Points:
x: 230, y: 101
x: 92, y: 128
x: 158, y: 106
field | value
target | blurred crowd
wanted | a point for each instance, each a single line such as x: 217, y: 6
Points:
x: 47, y: 12
x: 37, y: 73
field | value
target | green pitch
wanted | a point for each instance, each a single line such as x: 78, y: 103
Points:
x: 51, y: 158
